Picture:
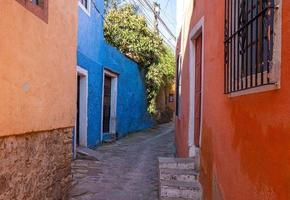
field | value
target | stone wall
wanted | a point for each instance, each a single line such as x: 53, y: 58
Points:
x: 36, y: 166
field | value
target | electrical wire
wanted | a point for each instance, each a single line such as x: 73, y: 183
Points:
x: 160, y: 19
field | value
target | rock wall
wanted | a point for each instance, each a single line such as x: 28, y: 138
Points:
x: 36, y: 166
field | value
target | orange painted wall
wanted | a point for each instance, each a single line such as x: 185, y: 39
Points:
x: 37, y: 67
x: 181, y: 139
x: 245, y: 153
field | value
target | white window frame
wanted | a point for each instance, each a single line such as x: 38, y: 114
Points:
x: 86, y: 10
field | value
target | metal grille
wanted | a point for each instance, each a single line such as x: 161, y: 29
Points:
x: 85, y: 3
x: 248, y: 43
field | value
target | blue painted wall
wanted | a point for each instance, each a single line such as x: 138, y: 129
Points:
x: 94, y: 54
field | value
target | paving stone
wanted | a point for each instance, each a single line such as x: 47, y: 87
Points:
x: 125, y: 170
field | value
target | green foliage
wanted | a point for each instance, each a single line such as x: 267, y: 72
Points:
x: 129, y: 32
x: 159, y: 75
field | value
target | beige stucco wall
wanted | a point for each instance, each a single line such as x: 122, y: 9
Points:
x: 37, y: 67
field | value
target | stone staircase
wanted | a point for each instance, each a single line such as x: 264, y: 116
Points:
x: 178, y: 179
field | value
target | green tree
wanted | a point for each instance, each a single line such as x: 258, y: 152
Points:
x: 159, y: 75
x: 129, y: 32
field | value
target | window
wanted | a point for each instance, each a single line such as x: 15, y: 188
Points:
x: 171, y: 98
x: 249, y: 41
x: 178, y: 85
x: 85, y: 5
x: 38, y: 7
x: 39, y: 3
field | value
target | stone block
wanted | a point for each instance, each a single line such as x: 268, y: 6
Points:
x: 36, y: 165
x: 178, y: 179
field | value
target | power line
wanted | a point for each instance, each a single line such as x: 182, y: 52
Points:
x: 160, y: 19
x: 165, y: 13
x: 170, y: 19
x: 144, y: 9
x: 151, y: 9
x: 96, y: 8
x: 166, y: 5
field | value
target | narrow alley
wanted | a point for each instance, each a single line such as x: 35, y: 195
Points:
x: 125, y: 170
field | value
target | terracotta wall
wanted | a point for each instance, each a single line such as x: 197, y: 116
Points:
x: 245, y: 151
x: 37, y: 67
x: 194, y: 12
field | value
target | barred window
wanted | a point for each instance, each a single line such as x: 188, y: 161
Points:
x: 86, y: 6
x: 39, y: 3
x: 38, y: 7
x: 84, y: 3
x: 248, y: 43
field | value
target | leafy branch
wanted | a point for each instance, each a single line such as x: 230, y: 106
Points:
x: 129, y: 32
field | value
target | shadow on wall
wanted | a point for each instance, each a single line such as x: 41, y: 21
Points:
x: 263, y: 152
x: 206, y: 162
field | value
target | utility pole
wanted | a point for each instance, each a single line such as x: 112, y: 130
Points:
x: 156, y: 10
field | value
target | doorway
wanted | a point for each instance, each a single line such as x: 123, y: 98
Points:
x: 197, y: 90
x: 107, y: 104
x: 109, y: 112
x: 82, y: 102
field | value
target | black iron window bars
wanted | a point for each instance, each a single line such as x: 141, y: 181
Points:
x: 85, y: 3
x: 248, y: 43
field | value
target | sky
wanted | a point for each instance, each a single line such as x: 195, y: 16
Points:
x: 167, y: 14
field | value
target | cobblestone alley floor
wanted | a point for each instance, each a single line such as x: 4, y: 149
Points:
x: 126, y: 170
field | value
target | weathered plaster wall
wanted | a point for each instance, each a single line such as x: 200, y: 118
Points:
x: 36, y: 166
x: 94, y: 55
x: 195, y: 9
x: 37, y: 67
x: 246, y: 140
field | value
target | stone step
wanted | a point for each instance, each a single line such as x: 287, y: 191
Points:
x: 173, y: 198
x: 182, y: 185
x: 178, y: 179
x: 174, y: 160
x: 179, y: 171
x: 86, y: 154
x: 176, y: 163
x: 186, y: 175
x: 180, y: 190
x: 109, y: 138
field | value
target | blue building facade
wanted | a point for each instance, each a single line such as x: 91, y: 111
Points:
x: 97, y: 59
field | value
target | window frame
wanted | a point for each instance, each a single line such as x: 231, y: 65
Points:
x: 42, y: 13
x: 86, y: 10
x: 273, y: 74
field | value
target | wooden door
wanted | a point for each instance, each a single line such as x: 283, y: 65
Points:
x: 107, y: 104
x: 197, y: 106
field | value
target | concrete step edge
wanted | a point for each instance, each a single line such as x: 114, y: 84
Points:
x: 175, y: 160
x: 180, y: 184
x: 178, y: 171
x: 181, y: 194
x: 174, y: 198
